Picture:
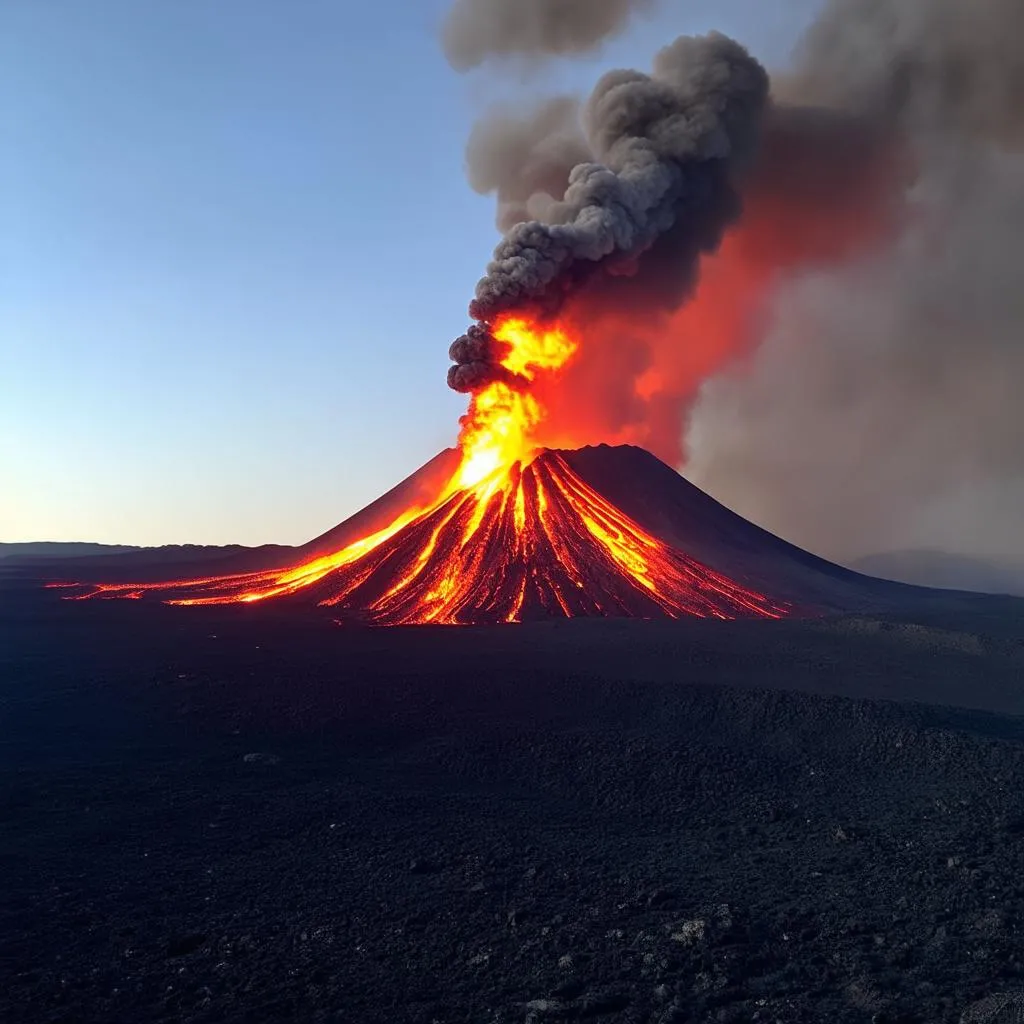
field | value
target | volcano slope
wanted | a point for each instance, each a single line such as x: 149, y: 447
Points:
x: 592, y: 532
x: 247, y: 813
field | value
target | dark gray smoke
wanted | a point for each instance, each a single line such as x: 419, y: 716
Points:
x: 477, y: 29
x: 477, y: 356
x: 525, y: 160
x: 879, y: 265
x: 665, y: 148
x: 882, y: 408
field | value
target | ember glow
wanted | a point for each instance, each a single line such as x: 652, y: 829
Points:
x: 514, y: 534
x: 497, y: 432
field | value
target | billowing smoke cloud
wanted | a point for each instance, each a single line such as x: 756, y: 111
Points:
x: 477, y: 29
x: 665, y: 148
x: 881, y: 393
x: 882, y: 406
x: 477, y: 355
x: 929, y: 65
x: 847, y: 351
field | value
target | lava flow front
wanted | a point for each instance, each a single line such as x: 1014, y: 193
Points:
x: 516, y: 534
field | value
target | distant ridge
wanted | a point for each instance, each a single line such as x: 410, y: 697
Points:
x: 57, y: 559
x: 925, y: 567
x: 62, y: 549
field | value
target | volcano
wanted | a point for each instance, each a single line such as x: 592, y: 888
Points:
x: 602, y: 531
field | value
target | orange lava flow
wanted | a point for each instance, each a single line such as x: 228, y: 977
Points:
x: 515, y: 534
x: 528, y: 542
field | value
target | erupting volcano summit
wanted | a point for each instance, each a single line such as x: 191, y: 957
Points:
x: 527, y: 524
x: 531, y: 542
x: 504, y: 530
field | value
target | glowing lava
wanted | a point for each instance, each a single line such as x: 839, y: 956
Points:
x: 497, y: 429
x: 515, y: 534
x: 528, y: 542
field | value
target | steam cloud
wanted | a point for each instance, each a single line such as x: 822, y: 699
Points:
x: 844, y: 358
x: 478, y: 29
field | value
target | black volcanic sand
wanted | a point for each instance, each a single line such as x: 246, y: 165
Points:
x: 238, y: 815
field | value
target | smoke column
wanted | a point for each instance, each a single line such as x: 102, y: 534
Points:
x: 820, y: 291
x: 664, y: 149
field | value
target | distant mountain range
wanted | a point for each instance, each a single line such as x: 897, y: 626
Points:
x: 62, y: 549
x: 59, y: 559
x: 944, y: 570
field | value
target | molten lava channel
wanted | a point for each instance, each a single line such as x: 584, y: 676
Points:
x: 515, y: 535
x: 532, y: 542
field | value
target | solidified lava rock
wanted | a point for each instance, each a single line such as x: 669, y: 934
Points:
x: 593, y: 801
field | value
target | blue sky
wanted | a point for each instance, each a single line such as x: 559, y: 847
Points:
x: 235, y: 243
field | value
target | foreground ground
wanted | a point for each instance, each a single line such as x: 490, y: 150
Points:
x: 244, y: 816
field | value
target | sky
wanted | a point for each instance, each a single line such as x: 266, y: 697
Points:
x: 235, y: 243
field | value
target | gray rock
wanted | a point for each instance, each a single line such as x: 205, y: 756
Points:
x: 1002, y: 1008
x: 260, y: 758
x: 689, y: 932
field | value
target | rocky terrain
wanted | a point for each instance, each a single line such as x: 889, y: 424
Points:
x: 246, y: 815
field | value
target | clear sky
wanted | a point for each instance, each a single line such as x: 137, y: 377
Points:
x: 235, y: 243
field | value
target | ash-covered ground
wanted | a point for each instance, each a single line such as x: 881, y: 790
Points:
x: 254, y: 815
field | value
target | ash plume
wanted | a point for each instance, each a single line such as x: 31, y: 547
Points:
x: 880, y: 408
x: 664, y: 149
x: 663, y: 145
x: 478, y: 29
x: 814, y: 299
x: 927, y: 65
